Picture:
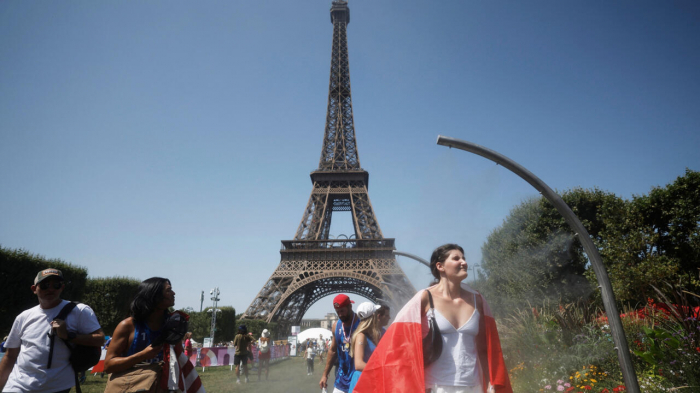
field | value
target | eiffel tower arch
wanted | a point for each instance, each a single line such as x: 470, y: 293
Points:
x: 313, y: 265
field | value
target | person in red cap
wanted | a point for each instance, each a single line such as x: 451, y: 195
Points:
x: 340, y: 345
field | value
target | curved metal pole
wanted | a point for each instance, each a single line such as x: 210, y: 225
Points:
x: 618, y: 332
x: 417, y: 258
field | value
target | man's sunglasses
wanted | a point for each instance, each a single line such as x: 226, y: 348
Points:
x: 55, y: 284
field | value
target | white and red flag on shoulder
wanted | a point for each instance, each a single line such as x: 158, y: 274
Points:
x: 396, y: 365
x: 178, y: 372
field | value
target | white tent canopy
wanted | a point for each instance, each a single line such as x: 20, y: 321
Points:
x: 313, y: 334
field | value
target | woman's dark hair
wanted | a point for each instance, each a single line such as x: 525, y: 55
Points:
x: 148, y: 295
x: 440, y: 255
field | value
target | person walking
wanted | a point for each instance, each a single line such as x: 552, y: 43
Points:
x: 32, y: 362
x: 322, y: 348
x: 339, y: 349
x: 188, y: 344
x: 242, y: 343
x: 365, y: 339
x: 264, y: 353
x: 471, y: 360
x: 310, y: 355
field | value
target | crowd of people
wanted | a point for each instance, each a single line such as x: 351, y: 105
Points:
x: 367, y: 356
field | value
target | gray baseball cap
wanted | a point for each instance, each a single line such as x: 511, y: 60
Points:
x: 46, y: 273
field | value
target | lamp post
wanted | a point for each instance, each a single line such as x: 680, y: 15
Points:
x: 201, y: 301
x: 618, y: 332
x: 215, y: 299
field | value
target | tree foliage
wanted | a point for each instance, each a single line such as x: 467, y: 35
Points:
x: 534, y: 256
x: 656, y: 239
x: 200, y: 324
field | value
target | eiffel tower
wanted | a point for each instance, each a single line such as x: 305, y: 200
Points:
x: 314, y: 265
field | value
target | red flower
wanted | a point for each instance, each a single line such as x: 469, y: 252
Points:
x: 605, y: 391
x: 569, y: 389
x: 588, y: 387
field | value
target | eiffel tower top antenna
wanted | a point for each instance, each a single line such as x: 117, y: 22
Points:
x: 339, y: 152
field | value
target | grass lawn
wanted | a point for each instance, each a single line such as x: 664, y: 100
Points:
x: 287, y: 376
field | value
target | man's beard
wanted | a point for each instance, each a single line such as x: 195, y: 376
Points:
x: 347, y: 318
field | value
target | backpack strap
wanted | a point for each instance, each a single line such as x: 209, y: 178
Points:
x: 61, y: 315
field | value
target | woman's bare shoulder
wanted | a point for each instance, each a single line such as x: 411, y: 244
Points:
x: 125, y: 325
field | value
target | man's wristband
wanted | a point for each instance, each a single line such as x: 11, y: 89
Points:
x: 71, y: 336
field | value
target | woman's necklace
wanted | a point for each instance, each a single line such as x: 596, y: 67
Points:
x: 346, y: 339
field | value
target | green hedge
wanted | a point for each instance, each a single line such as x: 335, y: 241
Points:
x: 18, y: 268
x: 110, y: 298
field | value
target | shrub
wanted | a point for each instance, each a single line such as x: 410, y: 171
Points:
x: 18, y: 268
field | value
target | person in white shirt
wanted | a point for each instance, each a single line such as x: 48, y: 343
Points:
x: 25, y: 366
x: 322, y: 348
x: 264, y: 345
x: 310, y: 354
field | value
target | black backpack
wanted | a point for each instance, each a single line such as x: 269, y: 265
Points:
x: 82, y: 357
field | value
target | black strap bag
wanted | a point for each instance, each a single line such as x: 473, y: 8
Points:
x: 432, y: 343
x: 82, y: 357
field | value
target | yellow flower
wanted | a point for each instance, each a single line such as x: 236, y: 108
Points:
x: 593, y: 380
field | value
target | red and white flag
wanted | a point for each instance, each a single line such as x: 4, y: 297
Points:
x: 396, y: 365
x: 178, y: 371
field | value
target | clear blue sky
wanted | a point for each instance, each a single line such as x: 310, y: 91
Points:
x: 176, y: 138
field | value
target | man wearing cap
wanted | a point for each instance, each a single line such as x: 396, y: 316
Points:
x: 25, y: 366
x: 340, y: 345
x: 242, y: 343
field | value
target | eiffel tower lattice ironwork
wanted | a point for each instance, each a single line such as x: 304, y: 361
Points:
x: 313, y: 265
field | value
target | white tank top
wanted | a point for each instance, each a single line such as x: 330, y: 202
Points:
x: 457, y: 364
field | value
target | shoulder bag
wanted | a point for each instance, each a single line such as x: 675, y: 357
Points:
x: 432, y: 343
x: 142, y: 378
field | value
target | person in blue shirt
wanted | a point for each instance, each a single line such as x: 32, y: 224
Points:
x: 365, y: 339
x: 132, y: 339
x: 340, y: 345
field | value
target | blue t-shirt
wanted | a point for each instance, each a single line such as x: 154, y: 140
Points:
x: 346, y: 365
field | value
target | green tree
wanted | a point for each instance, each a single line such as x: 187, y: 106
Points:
x: 200, y: 324
x: 655, y: 239
x: 534, y: 255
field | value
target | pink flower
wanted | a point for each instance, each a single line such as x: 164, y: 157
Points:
x: 548, y: 387
x: 568, y: 385
x: 560, y: 388
x: 559, y: 382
